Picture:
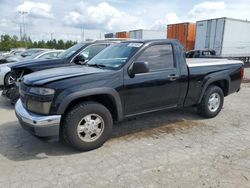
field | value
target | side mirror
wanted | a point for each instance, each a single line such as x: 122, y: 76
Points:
x: 80, y: 59
x: 138, y: 68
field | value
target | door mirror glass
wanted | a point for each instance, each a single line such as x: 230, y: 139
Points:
x: 138, y: 68
x: 80, y: 59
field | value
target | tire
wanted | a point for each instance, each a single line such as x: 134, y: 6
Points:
x: 80, y: 127
x: 211, y: 109
x: 9, y: 76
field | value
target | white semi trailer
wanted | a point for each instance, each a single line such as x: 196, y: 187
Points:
x: 230, y: 38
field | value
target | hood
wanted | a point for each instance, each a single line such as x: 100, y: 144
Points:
x: 55, y: 74
x: 34, y: 62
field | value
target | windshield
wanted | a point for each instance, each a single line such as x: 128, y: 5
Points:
x: 30, y: 52
x: 116, y: 55
x: 70, y: 51
x: 33, y: 56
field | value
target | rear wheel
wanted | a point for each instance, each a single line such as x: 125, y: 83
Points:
x: 87, y: 126
x: 212, y: 102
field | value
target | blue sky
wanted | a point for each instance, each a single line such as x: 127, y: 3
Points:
x: 67, y: 19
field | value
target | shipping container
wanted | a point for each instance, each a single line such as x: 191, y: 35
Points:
x: 228, y: 37
x: 109, y: 35
x: 184, y: 32
x: 123, y: 34
x: 147, y: 34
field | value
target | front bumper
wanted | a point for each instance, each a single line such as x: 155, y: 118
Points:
x: 39, y: 125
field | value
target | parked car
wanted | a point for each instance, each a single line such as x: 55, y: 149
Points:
x: 47, y: 54
x: 2, y: 60
x: 6, y: 78
x: 27, y: 54
x: 12, y: 53
x: 80, y: 103
x: 201, y: 54
x: 77, y: 54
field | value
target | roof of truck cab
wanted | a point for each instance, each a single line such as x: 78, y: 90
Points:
x: 150, y: 40
x: 196, y: 62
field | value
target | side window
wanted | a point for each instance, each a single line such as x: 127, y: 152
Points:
x: 158, y: 57
x: 92, y: 51
x: 190, y: 55
x: 197, y: 54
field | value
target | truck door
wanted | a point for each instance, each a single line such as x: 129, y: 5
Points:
x: 157, y: 89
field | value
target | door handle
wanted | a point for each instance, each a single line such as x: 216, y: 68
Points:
x: 173, y: 77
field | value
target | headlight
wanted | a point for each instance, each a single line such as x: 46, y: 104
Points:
x: 41, y: 91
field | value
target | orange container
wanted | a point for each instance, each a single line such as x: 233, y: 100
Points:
x: 184, y: 32
x: 123, y: 34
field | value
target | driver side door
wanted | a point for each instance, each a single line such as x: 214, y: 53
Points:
x: 157, y: 89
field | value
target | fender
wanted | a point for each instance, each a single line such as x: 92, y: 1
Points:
x: 212, y: 80
x: 90, y: 92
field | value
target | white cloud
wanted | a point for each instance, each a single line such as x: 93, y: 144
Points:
x: 4, y: 22
x: 36, y: 9
x: 206, y: 10
x: 102, y: 16
x: 169, y: 19
x: 172, y: 18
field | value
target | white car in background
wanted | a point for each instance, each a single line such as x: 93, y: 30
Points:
x: 35, y: 54
x: 6, y: 78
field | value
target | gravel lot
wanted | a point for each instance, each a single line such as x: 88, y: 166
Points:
x: 166, y: 149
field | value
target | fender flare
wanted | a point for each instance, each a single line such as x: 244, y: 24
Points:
x: 90, y: 92
x: 212, y: 80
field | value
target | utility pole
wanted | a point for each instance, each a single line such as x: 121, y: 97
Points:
x: 21, y: 31
x: 22, y: 25
x: 83, y: 34
x: 51, y: 36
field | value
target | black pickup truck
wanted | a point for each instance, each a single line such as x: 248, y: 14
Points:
x: 77, y: 54
x: 127, y: 79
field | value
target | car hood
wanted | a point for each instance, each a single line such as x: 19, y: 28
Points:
x: 50, y: 75
x: 34, y: 62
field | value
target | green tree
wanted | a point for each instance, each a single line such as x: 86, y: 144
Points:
x: 8, y: 42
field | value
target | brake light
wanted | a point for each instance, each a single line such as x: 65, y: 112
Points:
x: 242, y: 73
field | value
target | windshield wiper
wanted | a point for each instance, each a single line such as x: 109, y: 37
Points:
x: 97, y: 65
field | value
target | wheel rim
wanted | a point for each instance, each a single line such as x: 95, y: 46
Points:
x: 11, y: 79
x: 90, y: 128
x: 214, y: 102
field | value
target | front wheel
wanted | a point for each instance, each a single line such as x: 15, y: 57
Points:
x: 212, y: 102
x: 10, y: 79
x: 87, y: 126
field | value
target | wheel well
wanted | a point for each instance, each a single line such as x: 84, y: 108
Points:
x: 104, y: 99
x: 223, y: 84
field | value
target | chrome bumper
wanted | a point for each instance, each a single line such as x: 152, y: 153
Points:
x: 39, y: 125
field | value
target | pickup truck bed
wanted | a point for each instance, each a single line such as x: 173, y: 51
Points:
x: 195, y: 62
x: 203, y: 72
